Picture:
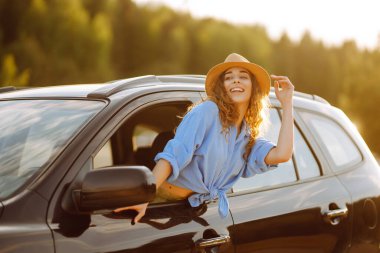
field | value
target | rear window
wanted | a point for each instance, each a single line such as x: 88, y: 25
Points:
x: 335, y: 141
x: 33, y: 132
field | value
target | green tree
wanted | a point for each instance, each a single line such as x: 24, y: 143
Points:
x: 9, y: 75
x: 283, y: 57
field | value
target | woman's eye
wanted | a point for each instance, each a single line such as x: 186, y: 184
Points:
x: 227, y: 78
x: 244, y: 77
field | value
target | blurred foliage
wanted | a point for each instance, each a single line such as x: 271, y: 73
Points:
x: 9, y: 72
x: 49, y: 42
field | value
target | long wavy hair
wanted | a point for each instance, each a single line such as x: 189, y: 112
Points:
x: 256, y: 116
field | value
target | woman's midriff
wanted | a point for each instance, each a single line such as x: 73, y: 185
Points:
x: 173, y: 192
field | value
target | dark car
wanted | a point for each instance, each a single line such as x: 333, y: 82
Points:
x: 69, y: 155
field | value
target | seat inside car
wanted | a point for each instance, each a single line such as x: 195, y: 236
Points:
x: 144, y: 156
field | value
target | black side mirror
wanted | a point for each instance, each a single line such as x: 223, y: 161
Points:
x: 113, y: 187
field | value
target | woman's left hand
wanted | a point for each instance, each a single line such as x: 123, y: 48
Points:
x: 283, y: 89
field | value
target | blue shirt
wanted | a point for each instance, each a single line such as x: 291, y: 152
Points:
x: 207, y: 161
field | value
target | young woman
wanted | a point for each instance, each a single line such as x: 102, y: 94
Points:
x: 219, y: 140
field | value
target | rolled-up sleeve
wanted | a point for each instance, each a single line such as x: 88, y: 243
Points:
x: 188, y: 137
x: 255, y: 163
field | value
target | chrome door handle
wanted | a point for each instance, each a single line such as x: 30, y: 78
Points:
x: 212, y: 242
x: 334, y: 216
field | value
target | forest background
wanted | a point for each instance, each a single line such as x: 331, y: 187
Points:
x: 52, y: 42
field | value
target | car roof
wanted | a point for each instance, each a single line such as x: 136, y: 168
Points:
x: 74, y: 90
x: 104, y: 90
x: 100, y: 90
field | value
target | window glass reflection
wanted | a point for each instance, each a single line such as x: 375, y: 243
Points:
x: 306, y: 164
x: 34, y: 131
x: 339, y: 146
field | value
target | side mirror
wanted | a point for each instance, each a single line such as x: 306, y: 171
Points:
x: 112, y: 187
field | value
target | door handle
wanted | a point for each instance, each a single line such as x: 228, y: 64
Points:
x: 334, y: 216
x: 212, y: 242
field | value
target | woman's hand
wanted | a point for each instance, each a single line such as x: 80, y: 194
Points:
x: 285, y: 94
x: 140, y: 209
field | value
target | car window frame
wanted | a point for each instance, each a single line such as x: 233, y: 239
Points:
x: 325, y: 154
x: 304, y: 136
x: 132, y: 111
x: 296, y: 125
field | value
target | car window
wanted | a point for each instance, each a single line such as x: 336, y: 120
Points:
x: 142, y: 136
x: 334, y: 140
x: 306, y: 163
x: 284, y: 173
x: 142, y: 139
x: 104, y: 157
x: 33, y: 133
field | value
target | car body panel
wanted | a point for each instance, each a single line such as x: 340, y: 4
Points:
x: 364, y: 187
x: 162, y: 229
x: 23, y: 225
x: 291, y: 218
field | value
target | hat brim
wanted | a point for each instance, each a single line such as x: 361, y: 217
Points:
x: 259, y: 72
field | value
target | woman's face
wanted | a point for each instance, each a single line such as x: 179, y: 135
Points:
x: 238, y: 85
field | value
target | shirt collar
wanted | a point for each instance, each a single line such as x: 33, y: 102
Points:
x: 246, y: 129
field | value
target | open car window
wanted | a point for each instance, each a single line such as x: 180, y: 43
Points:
x: 142, y: 136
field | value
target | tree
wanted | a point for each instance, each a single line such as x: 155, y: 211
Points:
x: 9, y: 75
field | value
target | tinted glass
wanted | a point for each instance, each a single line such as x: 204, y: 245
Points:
x: 306, y: 164
x: 142, y: 140
x: 334, y: 140
x: 104, y: 157
x: 32, y: 132
x: 282, y: 174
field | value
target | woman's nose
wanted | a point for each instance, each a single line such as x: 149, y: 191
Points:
x: 236, y: 80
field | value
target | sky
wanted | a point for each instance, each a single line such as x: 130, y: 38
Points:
x: 331, y: 21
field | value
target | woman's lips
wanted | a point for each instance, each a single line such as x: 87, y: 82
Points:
x: 237, y: 89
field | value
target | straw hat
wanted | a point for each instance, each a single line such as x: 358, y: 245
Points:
x: 236, y: 60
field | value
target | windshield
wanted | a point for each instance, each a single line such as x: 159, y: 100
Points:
x: 32, y: 132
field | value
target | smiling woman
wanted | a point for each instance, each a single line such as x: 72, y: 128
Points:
x: 218, y: 140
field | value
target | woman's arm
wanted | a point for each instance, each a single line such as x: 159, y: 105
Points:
x: 284, y: 149
x: 161, y: 171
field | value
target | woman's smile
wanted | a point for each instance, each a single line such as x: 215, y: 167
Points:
x: 237, y: 89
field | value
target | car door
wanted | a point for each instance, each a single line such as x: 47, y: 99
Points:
x: 350, y: 159
x: 297, y: 207
x: 167, y: 226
